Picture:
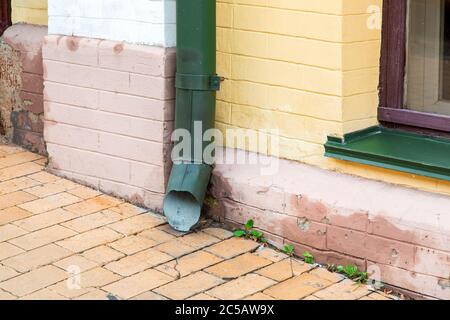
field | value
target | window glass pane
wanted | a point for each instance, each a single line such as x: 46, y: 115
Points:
x: 428, y: 67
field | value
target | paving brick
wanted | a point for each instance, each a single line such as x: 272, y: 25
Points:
x: 44, y: 294
x: 239, y: 266
x: 327, y: 275
x: 298, y: 288
x: 202, y: 297
x: 270, y: 254
x: 199, y: 240
x: 42, y: 237
x: 69, y: 288
x: 50, y: 189
x: 138, y: 262
x: 9, y: 231
x: 13, y: 214
x: 157, y: 235
x: 77, y: 261
x: 17, y: 184
x: 33, y: 281
x: 285, y: 269
x: 344, y: 290
x: 6, y: 296
x: 232, y: 247
x: 8, y: 250
x: 94, y: 294
x: 92, y: 221
x: 45, y: 220
x: 138, y: 224
x: 149, y: 296
x: 6, y: 149
x: 259, y: 297
x: 18, y: 158
x: 132, y: 244
x: 189, y: 286
x: 219, y: 233
x: 7, y: 273
x: 189, y: 264
x: 84, y: 193
x: 241, y: 287
x: 15, y: 198
x: 36, y: 258
x: 98, y: 277
x: 44, y: 177
x: 142, y: 282
x: 128, y: 210
x: 175, y: 248
x: 89, y: 240
x: 83, y: 283
x: 103, y: 255
x: 20, y: 170
x: 50, y: 203
x: 93, y: 205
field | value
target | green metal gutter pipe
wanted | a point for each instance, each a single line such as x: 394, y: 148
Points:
x: 196, y: 85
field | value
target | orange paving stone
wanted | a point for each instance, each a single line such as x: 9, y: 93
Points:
x: 36, y: 258
x: 92, y: 221
x: 189, y: 286
x: 188, y: 264
x: 284, y: 270
x: 241, y: 288
x: 8, y: 250
x: 232, y: 247
x: 60, y: 240
x: 45, y: 220
x: 90, y: 239
x: 138, y: 262
x: 298, y: 287
x: 175, y: 248
x: 42, y: 237
x: 103, y: 255
x: 33, y: 281
x: 132, y: 286
x: 344, y: 290
x: 13, y: 214
x: 132, y: 244
x: 49, y: 203
x: 238, y: 266
x: 16, y: 185
x: 93, y: 205
x: 137, y: 224
x: 13, y: 199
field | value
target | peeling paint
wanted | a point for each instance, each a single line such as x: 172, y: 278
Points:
x: 10, y: 86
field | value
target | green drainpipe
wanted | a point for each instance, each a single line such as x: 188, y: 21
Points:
x: 196, y: 85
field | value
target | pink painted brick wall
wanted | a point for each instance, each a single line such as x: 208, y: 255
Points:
x: 343, y: 219
x: 109, y: 111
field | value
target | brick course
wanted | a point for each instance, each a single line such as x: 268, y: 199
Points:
x: 109, y: 115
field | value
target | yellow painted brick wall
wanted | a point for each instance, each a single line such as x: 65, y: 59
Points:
x: 30, y: 11
x: 307, y: 68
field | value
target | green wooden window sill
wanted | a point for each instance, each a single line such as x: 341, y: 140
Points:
x: 394, y: 149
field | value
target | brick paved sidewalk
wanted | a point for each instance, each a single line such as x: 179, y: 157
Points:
x: 60, y: 240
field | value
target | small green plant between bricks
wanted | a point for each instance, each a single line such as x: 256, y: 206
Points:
x: 351, y: 271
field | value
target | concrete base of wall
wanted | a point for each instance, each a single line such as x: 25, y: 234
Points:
x: 109, y: 110
x: 21, y: 86
x: 401, y: 234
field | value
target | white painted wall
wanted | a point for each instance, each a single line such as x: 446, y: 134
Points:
x: 151, y: 22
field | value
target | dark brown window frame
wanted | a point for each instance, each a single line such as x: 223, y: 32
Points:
x: 392, y: 74
x: 5, y: 15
